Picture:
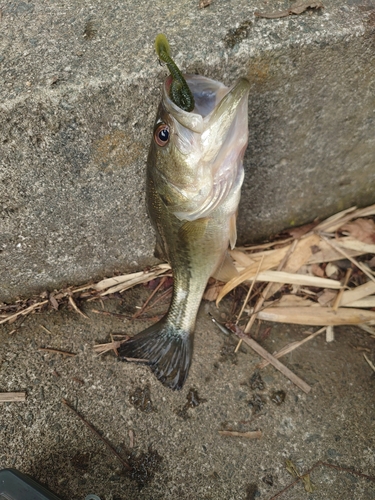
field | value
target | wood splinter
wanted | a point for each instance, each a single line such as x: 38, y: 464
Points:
x: 249, y: 434
x: 12, y: 397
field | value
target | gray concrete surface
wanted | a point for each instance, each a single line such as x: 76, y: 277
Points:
x: 79, y: 86
x: 334, y: 423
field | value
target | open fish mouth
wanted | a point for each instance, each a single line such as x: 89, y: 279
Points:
x: 213, y: 138
x: 209, y: 96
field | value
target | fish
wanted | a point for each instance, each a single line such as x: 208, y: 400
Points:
x: 194, y: 176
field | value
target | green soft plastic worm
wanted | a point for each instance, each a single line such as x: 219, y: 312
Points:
x: 179, y: 91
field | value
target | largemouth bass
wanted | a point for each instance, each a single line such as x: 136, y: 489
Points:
x: 194, y: 177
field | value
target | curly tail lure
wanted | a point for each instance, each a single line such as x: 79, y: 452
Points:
x: 179, y: 91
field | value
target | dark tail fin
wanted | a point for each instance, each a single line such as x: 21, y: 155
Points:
x: 168, y: 349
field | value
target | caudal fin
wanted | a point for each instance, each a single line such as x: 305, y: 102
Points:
x: 168, y: 350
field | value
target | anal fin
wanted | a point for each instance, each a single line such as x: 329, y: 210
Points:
x: 233, y: 231
x: 226, y: 271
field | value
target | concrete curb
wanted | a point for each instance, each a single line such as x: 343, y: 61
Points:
x: 80, y: 84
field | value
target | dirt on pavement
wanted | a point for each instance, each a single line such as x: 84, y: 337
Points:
x: 172, y: 439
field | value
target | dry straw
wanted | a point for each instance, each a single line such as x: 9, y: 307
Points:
x: 300, y: 269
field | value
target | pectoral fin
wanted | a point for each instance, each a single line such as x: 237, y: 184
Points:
x: 226, y: 271
x: 193, y: 230
x: 233, y: 231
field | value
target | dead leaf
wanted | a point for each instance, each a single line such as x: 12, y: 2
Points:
x: 327, y: 297
x: 336, y: 221
x: 317, y: 270
x: 241, y: 258
x: 298, y: 232
x: 325, y: 253
x: 290, y: 300
x: 366, y: 303
x: 361, y: 229
x: 299, y: 255
x: 332, y: 271
x: 280, y: 277
x: 122, y: 283
x: 53, y: 302
x: 317, y: 316
x: 309, y: 487
x: 212, y: 291
x: 291, y: 468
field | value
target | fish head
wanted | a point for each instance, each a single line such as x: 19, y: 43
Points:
x: 195, y: 159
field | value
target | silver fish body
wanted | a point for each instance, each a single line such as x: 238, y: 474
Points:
x: 194, y: 178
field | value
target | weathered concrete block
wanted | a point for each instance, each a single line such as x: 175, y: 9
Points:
x: 80, y: 83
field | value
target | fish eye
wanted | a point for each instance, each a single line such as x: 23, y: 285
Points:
x: 161, y: 135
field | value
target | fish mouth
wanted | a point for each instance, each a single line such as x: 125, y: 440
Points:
x: 209, y: 142
x: 213, y: 101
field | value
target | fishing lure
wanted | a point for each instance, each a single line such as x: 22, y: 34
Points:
x: 179, y: 91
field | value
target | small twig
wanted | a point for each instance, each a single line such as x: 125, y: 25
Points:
x: 343, y: 469
x: 367, y: 329
x: 108, y: 313
x: 324, y: 464
x: 124, y: 316
x: 82, y: 288
x: 248, y: 435
x: 13, y: 397
x: 136, y: 360
x: 337, y: 302
x: 266, y: 355
x: 75, y: 307
x: 290, y: 347
x: 271, y: 359
x: 57, y: 351
x: 131, y: 439
x: 264, y: 294
x: 359, y: 348
x: 142, y: 309
x: 250, y: 289
x: 369, y: 362
x: 158, y: 299
x: 247, y: 298
x: 110, y: 346
x: 94, y: 431
x: 114, y: 345
x: 24, y: 311
x: 45, y: 329
x: 78, y: 380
